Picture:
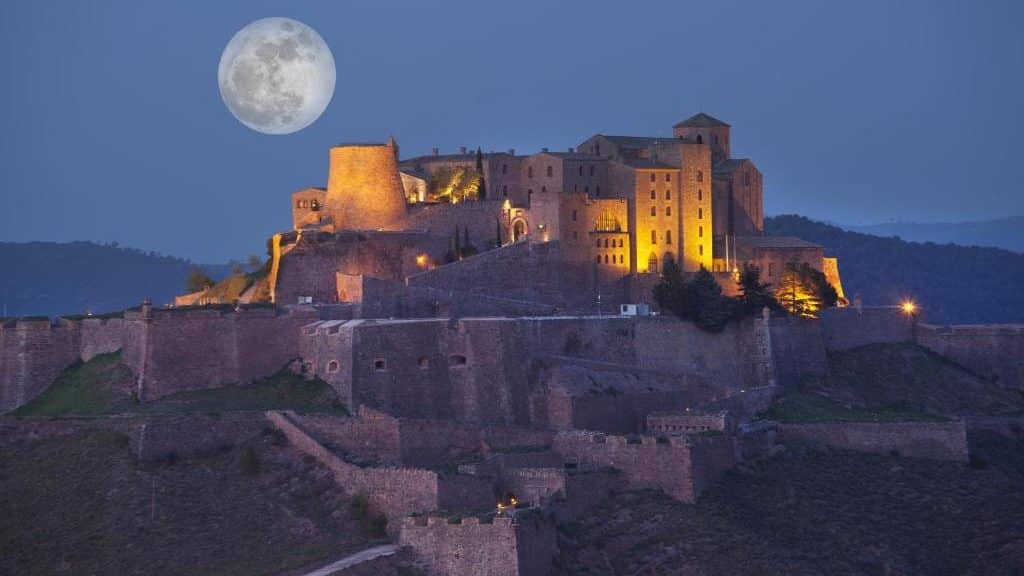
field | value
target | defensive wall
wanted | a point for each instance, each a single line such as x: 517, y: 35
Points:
x: 991, y: 351
x: 393, y: 492
x: 680, y: 466
x: 934, y: 440
x: 521, y: 546
x: 854, y: 326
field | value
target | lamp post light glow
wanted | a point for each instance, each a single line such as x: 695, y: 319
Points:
x: 908, y: 307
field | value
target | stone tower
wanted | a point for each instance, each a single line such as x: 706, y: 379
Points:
x: 364, y: 189
x: 706, y: 129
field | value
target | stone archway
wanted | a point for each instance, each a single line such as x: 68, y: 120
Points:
x: 519, y: 229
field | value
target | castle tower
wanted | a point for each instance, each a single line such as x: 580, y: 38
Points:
x: 706, y: 129
x: 364, y: 189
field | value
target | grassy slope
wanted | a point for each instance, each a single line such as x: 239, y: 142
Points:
x: 82, y: 505
x: 103, y: 386
x: 834, y: 513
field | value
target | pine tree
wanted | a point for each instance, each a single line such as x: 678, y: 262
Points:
x: 481, y: 192
x: 754, y: 295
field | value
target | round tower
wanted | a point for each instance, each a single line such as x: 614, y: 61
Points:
x: 364, y: 189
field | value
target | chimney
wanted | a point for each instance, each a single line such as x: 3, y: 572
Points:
x: 436, y: 152
x: 462, y: 149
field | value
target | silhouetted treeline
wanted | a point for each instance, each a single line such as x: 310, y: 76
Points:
x: 48, y: 278
x: 955, y: 284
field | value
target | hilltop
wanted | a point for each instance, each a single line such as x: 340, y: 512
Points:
x: 1006, y: 233
x: 955, y: 284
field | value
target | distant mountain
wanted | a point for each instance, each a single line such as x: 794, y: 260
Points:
x: 955, y: 284
x: 1006, y: 233
x: 48, y: 278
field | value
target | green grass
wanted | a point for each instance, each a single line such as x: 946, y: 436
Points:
x: 807, y: 407
x: 104, y: 385
x: 99, y: 386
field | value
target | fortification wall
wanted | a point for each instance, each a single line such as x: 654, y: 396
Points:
x: 746, y: 403
x: 500, y: 547
x: 797, y: 350
x: 934, y: 440
x: 482, y: 218
x: 853, y: 326
x: 100, y: 336
x: 162, y: 438
x: 372, y: 437
x: 993, y: 351
x: 33, y: 352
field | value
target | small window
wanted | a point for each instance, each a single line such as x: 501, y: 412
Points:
x: 597, y: 190
x: 654, y: 237
x: 529, y: 192
x: 543, y: 189
x: 581, y: 170
x: 700, y: 194
x: 700, y: 249
x: 456, y: 360
x: 654, y: 211
x: 700, y: 175
x: 551, y: 171
x: 333, y: 366
x: 668, y: 237
x: 605, y: 242
x: 598, y: 242
x: 586, y: 189
x: 746, y: 177
x: 700, y: 231
x: 298, y: 204
x: 504, y: 190
x: 573, y: 215
x: 605, y: 258
x: 597, y: 259
x: 575, y: 235
x: 591, y: 169
x: 620, y: 243
x: 504, y: 168
x: 700, y: 213
x: 654, y: 195
x: 668, y: 210
x: 653, y: 177
x: 668, y: 177
x: 423, y: 363
x: 622, y: 259
x: 529, y: 171
x: 380, y: 365
x: 668, y: 194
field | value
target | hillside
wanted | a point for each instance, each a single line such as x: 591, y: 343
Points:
x: 48, y: 278
x: 955, y: 284
x: 1005, y: 233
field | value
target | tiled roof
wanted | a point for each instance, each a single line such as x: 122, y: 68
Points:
x: 727, y: 167
x: 774, y: 242
x: 701, y: 120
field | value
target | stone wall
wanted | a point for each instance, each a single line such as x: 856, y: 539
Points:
x: 993, y: 351
x: 797, y: 349
x: 501, y: 547
x: 688, y: 422
x: 33, y: 352
x: 853, y: 326
x: 935, y: 440
x: 679, y: 466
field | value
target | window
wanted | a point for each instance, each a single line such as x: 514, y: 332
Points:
x: 598, y: 242
x: 700, y: 213
x: 333, y: 366
x: 605, y: 258
x: 700, y: 231
x: 700, y: 194
x: 543, y: 189
x: 551, y: 171
x: 700, y: 139
x: 315, y: 205
x: 575, y: 235
x: 597, y: 190
x: 298, y: 204
x: 586, y: 189
x: 456, y: 360
x: 504, y: 168
x: 591, y: 169
x: 380, y: 365
x: 668, y: 194
x: 529, y: 192
x: 653, y: 176
x: 622, y: 259
x: 668, y: 237
x: 668, y: 177
x: 573, y: 215
x: 654, y: 211
x: 700, y: 249
x: 771, y: 269
x: 605, y: 242
x: 423, y: 363
x: 581, y: 170
x: 597, y: 259
x: 529, y: 172
x: 654, y: 195
x: 700, y: 175
x: 668, y: 210
x: 575, y: 187
x: 654, y: 237
x: 504, y: 190
x: 621, y: 244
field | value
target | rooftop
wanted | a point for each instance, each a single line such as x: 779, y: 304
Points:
x: 774, y: 242
x: 641, y: 141
x: 701, y: 120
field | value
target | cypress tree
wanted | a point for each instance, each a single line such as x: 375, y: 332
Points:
x: 497, y: 233
x: 482, y: 191
x: 458, y: 245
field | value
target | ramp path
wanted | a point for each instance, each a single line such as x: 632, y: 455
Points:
x: 355, y: 559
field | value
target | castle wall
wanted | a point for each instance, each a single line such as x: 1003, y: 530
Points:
x: 33, y: 352
x: 797, y: 350
x: 695, y: 189
x: 853, y: 326
x: 483, y: 218
x: 371, y: 437
x: 934, y: 440
x: 467, y: 547
x: 994, y: 351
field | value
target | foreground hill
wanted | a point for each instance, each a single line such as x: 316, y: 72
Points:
x: 1006, y: 233
x: 49, y: 278
x: 955, y: 284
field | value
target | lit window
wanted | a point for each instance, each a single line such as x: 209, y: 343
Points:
x: 654, y: 237
x: 668, y: 194
x: 654, y: 195
x: 700, y: 213
x: 653, y: 176
x: 700, y: 231
x: 700, y: 194
x: 668, y: 177
x: 668, y: 210
x: 700, y: 175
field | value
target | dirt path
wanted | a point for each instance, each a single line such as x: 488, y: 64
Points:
x: 354, y: 559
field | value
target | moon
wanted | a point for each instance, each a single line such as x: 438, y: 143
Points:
x: 276, y: 75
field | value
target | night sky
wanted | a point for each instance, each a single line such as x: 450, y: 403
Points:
x: 112, y: 125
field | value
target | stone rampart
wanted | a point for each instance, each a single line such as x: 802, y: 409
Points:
x: 33, y: 352
x: 854, y: 326
x: 934, y: 440
x: 524, y: 546
x: 991, y: 351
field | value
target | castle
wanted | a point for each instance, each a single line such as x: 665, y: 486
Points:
x: 511, y: 369
x: 608, y: 215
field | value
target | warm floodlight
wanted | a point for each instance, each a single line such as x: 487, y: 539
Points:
x: 908, y: 307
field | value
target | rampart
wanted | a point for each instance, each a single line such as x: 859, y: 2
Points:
x: 991, y: 351
x: 679, y: 466
x: 33, y: 352
x: 524, y: 546
x: 933, y: 440
x: 853, y: 326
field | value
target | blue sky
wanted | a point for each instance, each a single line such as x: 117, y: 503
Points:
x: 112, y: 126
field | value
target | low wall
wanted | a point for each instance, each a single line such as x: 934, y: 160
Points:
x: 933, y: 440
x: 992, y: 351
x: 501, y: 547
x: 853, y: 326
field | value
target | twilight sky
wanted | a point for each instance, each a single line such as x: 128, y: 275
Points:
x: 112, y: 126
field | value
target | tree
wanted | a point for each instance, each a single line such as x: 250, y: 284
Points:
x: 713, y: 310
x: 672, y: 293
x: 458, y: 244
x: 804, y: 291
x: 236, y: 269
x: 197, y: 281
x: 457, y: 184
x: 754, y: 295
x: 497, y: 233
x: 468, y: 249
x: 482, y: 184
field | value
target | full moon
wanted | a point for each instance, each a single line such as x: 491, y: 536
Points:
x: 276, y: 75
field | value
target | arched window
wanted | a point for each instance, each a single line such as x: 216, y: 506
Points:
x: 668, y: 210
x: 605, y: 258
x: 622, y: 259
x: 654, y: 211
x: 700, y: 175
x: 423, y: 363
x: 654, y: 237
x: 668, y: 237
x: 333, y: 366
x: 654, y: 195
x: 605, y: 242
x: 551, y: 171
x: 700, y: 139
x: 668, y: 176
x: 597, y: 259
x: 653, y: 177
x: 668, y: 194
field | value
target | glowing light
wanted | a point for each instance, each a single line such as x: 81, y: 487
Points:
x: 421, y: 260
x: 908, y: 307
